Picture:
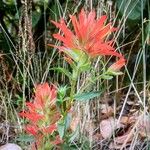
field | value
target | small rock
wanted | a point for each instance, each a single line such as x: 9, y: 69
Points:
x: 10, y: 146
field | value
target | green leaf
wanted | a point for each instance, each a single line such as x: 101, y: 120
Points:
x: 85, y: 67
x: 80, y: 57
x: 62, y: 91
x: 147, y: 32
x: 76, y: 54
x: 25, y: 138
x: 63, y: 125
x: 62, y: 70
x: 61, y: 129
x: 80, y: 60
x: 115, y: 73
x: 74, y: 135
x: 86, y: 96
x: 107, y: 77
x: 9, y: 2
x: 54, y: 11
x: 130, y: 8
x: 35, y: 18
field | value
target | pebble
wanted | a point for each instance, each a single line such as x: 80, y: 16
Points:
x: 10, y: 146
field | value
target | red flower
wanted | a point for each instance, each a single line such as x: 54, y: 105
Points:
x: 89, y: 35
x: 42, y: 112
x: 31, y: 106
x: 32, y: 129
x: 44, y: 95
x: 118, y: 65
x: 50, y: 129
x: 32, y: 116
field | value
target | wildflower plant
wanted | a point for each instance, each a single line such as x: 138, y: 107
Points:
x: 87, y: 41
x: 42, y: 116
x: 49, y: 114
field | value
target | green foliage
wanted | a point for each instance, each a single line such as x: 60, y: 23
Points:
x: 63, y: 125
x: 106, y: 76
x: 35, y: 18
x: 25, y: 138
x: 87, y: 96
x: 62, y: 91
x: 62, y: 70
x: 131, y: 8
x: 74, y: 135
x: 147, y: 32
x: 80, y: 60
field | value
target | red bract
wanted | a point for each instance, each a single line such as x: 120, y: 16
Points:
x: 89, y: 35
x: 118, y: 65
x: 44, y: 95
x: 32, y: 129
x: 32, y: 116
x: 50, y: 129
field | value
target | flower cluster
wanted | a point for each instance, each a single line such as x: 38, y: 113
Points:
x: 88, y: 40
x: 89, y: 36
x: 42, y: 113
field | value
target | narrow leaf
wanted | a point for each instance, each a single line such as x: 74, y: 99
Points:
x: 62, y: 70
x: 25, y: 138
x: 87, y: 96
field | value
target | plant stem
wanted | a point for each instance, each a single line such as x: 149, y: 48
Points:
x: 75, y: 74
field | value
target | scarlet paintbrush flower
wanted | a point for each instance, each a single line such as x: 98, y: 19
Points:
x: 42, y: 113
x: 89, y: 35
x: 45, y: 98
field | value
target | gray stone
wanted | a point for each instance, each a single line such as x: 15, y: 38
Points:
x: 10, y: 146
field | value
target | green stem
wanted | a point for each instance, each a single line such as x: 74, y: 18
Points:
x: 75, y: 74
x: 73, y: 84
